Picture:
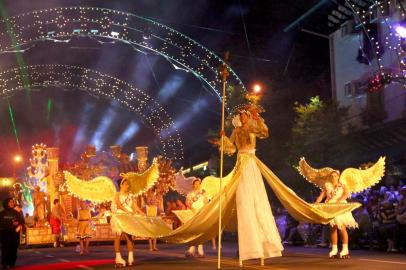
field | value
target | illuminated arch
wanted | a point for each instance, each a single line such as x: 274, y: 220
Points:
x: 99, y: 84
x: 144, y: 35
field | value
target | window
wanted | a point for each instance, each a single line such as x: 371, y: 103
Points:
x: 354, y: 89
x: 347, y: 90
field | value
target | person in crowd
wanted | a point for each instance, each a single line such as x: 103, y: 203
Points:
x: 11, y: 223
x: 388, y: 228
x: 56, y: 222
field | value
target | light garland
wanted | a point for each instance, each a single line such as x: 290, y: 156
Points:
x: 392, y: 40
x: 61, y: 23
x: 104, y: 85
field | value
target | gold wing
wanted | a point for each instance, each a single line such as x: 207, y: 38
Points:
x: 357, y: 180
x: 317, y: 177
x: 98, y: 190
x: 141, y: 182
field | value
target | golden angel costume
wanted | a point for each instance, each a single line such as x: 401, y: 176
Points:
x: 355, y: 180
x: 258, y: 236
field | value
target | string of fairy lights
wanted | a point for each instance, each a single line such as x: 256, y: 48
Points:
x: 144, y: 35
x: 99, y: 84
x: 390, y: 13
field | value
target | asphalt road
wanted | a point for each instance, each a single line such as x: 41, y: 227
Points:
x: 171, y: 257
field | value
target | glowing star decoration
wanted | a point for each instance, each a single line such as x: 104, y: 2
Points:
x: 67, y: 77
x: 38, y: 166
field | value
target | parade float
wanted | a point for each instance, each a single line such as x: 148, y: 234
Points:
x: 46, y: 177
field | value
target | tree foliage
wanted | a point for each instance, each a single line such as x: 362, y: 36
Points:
x: 317, y: 133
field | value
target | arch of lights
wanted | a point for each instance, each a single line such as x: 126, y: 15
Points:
x: 99, y: 84
x: 144, y: 35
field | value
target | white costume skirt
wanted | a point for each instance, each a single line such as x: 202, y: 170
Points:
x: 258, y: 236
x: 346, y: 220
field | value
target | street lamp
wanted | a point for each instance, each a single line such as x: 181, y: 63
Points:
x: 17, y: 159
x: 257, y: 88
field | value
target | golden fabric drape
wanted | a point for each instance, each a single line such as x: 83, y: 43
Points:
x: 202, y: 225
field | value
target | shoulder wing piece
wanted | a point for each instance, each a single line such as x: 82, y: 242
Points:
x: 99, y: 189
x: 357, y: 180
x: 141, y: 182
x: 315, y: 176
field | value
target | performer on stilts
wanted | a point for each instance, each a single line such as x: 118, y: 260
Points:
x: 258, y: 236
x: 336, y: 188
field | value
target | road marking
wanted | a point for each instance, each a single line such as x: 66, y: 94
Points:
x: 64, y: 260
x: 49, y: 256
x: 382, y: 261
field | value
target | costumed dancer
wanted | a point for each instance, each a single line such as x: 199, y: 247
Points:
x: 258, y: 236
x: 334, y: 192
x: 336, y: 188
x: 124, y: 202
x: 84, y: 229
x: 195, y: 200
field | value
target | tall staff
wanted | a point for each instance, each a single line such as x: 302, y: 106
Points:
x: 224, y: 74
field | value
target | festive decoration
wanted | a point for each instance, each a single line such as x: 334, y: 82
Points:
x: 74, y: 77
x: 372, y: 14
x: 38, y: 166
x: 144, y: 35
x: 166, y: 180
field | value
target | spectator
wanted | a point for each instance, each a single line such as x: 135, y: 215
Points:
x: 11, y: 223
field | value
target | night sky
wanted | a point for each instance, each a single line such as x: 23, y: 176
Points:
x: 293, y: 66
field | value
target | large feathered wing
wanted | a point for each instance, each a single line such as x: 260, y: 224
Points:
x: 317, y: 177
x: 141, y: 182
x: 357, y: 180
x: 98, y: 190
